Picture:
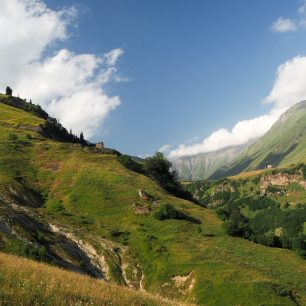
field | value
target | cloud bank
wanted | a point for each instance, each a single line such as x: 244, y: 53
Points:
x: 69, y: 86
x: 288, y: 89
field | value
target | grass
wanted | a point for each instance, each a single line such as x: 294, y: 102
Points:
x: 25, y: 282
x: 93, y: 195
x: 244, y: 175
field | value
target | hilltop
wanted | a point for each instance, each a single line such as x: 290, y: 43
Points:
x: 73, y: 206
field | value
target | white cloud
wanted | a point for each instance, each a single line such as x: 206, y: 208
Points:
x: 113, y: 56
x: 242, y: 132
x: 68, y: 85
x: 288, y: 89
x: 289, y: 86
x: 164, y: 149
x: 284, y: 25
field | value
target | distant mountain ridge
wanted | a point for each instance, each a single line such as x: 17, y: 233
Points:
x: 202, y: 166
x: 284, y: 144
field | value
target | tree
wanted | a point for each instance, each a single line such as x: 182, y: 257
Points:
x: 160, y: 170
x: 82, y: 140
x: 8, y: 91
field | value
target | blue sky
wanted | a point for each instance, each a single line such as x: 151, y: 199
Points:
x: 193, y: 67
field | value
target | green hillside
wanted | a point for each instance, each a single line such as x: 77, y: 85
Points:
x: 267, y: 207
x: 25, y: 282
x: 283, y: 145
x: 75, y: 207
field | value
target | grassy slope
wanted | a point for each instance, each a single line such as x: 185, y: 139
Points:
x: 96, y: 194
x: 25, y: 282
x: 284, y: 144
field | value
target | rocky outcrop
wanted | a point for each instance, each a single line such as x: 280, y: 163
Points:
x: 278, y: 179
x: 184, y: 284
x: 141, y: 209
x: 281, y: 179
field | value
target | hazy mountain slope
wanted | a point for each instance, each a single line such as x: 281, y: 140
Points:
x: 282, y: 145
x: 75, y: 207
x: 203, y: 165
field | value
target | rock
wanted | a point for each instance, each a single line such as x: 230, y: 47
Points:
x: 143, y: 195
x: 142, y: 210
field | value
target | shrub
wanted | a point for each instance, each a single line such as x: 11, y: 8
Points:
x: 223, y: 213
x: 12, y: 137
x: 167, y: 211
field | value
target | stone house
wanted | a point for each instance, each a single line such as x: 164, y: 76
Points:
x: 100, y: 145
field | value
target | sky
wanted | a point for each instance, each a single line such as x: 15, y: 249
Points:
x: 180, y: 76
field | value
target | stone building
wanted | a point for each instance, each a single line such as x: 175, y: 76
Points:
x: 100, y: 145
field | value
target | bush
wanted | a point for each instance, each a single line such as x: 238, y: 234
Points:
x: 237, y: 225
x: 223, y: 213
x: 12, y: 137
x: 167, y: 211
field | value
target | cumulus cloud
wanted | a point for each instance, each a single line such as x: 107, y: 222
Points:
x: 242, y: 132
x: 289, y: 86
x: 288, y: 89
x: 68, y: 85
x: 284, y: 25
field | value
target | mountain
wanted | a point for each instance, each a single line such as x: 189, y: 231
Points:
x: 68, y: 204
x: 284, y: 144
x: 202, y: 166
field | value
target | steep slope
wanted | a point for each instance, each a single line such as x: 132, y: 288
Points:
x: 75, y: 207
x: 284, y: 144
x: 202, y: 166
x: 25, y: 282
